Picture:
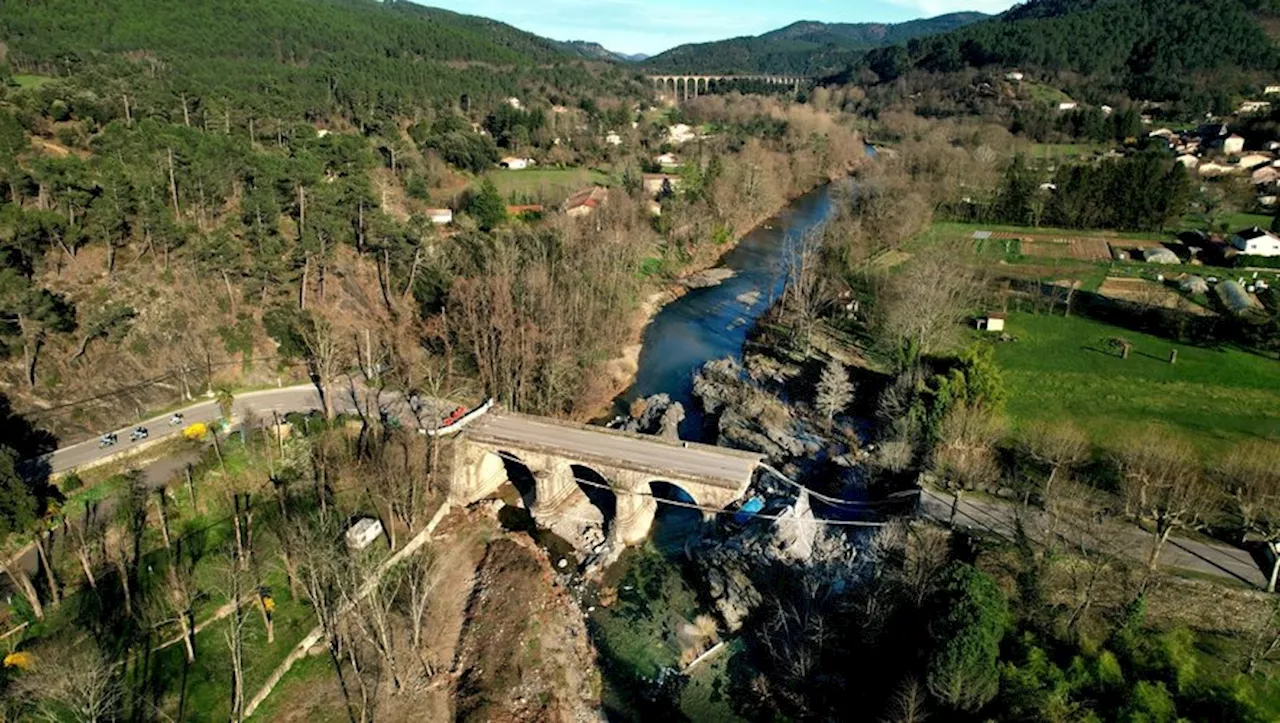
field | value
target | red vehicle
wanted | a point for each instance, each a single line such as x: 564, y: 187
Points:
x: 452, y: 419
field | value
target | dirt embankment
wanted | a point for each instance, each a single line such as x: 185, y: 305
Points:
x: 525, y: 655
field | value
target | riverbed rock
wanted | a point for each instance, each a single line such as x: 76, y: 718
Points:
x: 708, y: 278
x: 733, y: 593
x: 658, y: 415
x: 795, y: 531
x: 748, y: 417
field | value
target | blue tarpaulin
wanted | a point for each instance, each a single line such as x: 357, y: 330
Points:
x: 748, y: 510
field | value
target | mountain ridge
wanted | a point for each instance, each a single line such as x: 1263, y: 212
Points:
x: 805, y: 47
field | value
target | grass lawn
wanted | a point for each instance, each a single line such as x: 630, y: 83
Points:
x: 30, y: 82
x: 1058, y: 370
x: 545, y: 185
x: 1051, y: 151
x: 958, y: 229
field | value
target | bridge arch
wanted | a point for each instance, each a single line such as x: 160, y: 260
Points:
x: 598, y: 490
x: 516, y: 472
x: 676, y: 524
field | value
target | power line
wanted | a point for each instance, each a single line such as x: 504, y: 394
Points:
x: 702, y: 508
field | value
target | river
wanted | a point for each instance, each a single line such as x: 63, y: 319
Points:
x: 654, y: 596
x: 713, y: 323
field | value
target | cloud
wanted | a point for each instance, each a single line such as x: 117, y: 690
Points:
x: 621, y: 25
x: 930, y: 8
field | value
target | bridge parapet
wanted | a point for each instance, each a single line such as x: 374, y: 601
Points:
x: 714, y: 477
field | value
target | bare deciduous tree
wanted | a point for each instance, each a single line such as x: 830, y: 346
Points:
x: 966, y: 451
x: 72, y: 681
x: 835, y: 390
x: 1251, y: 473
x: 1059, y: 446
x: 908, y: 704
x: 1163, y: 484
x: 921, y: 308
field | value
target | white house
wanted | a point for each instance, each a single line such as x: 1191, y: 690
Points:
x: 516, y: 164
x: 1233, y: 144
x: 1253, y: 160
x: 1015, y: 76
x: 1256, y: 242
x: 613, y: 139
x: 1254, y: 106
x: 1188, y: 161
x: 1108, y: 110
x: 667, y: 160
x: 1068, y: 105
x: 440, y: 216
x: 514, y: 103
x: 680, y: 133
x: 363, y: 533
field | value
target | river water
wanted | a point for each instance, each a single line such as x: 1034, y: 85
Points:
x: 654, y: 592
x: 713, y: 323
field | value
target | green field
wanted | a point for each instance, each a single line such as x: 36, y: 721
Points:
x: 1053, y: 151
x: 1058, y: 370
x: 545, y: 185
x: 30, y: 82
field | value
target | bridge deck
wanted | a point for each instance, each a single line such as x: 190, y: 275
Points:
x: 715, y: 466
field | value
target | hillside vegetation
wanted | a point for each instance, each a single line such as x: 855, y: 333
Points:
x: 283, y: 58
x: 1153, y: 49
x: 803, y: 48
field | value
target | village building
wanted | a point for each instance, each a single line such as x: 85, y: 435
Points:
x: 680, y: 133
x: 613, y: 139
x: 585, y: 201
x: 440, y: 216
x: 667, y: 160
x: 654, y: 183
x: 1254, y: 106
x: 512, y: 163
x: 1250, y: 161
x: 1256, y: 242
x: 1233, y: 144
x: 1068, y: 105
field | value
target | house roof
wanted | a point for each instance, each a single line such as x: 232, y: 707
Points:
x: 590, y: 197
x: 1253, y: 233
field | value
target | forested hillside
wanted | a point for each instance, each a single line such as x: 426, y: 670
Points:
x: 1151, y: 49
x: 205, y: 195
x: 804, y: 48
x: 289, y: 59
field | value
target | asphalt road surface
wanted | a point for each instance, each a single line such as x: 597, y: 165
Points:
x: 301, y: 398
x: 715, y: 465
x: 1217, y: 560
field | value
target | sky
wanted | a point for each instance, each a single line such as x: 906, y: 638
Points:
x: 651, y: 26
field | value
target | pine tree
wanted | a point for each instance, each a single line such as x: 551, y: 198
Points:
x: 835, y: 391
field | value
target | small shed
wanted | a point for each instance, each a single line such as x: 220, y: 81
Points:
x: 1160, y: 255
x: 1194, y: 285
x: 440, y: 216
x: 362, y: 534
x: 992, y: 323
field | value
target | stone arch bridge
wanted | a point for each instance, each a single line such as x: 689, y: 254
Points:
x: 568, y: 461
x: 684, y: 87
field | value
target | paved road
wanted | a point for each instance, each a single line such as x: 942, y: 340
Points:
x: 716, y: 466
x: 301, y: 398
x: 1218, y: 560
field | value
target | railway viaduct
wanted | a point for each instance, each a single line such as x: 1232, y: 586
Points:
x: 684, y: 87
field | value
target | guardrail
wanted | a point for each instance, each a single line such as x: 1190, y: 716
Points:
x: 462, y: 422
